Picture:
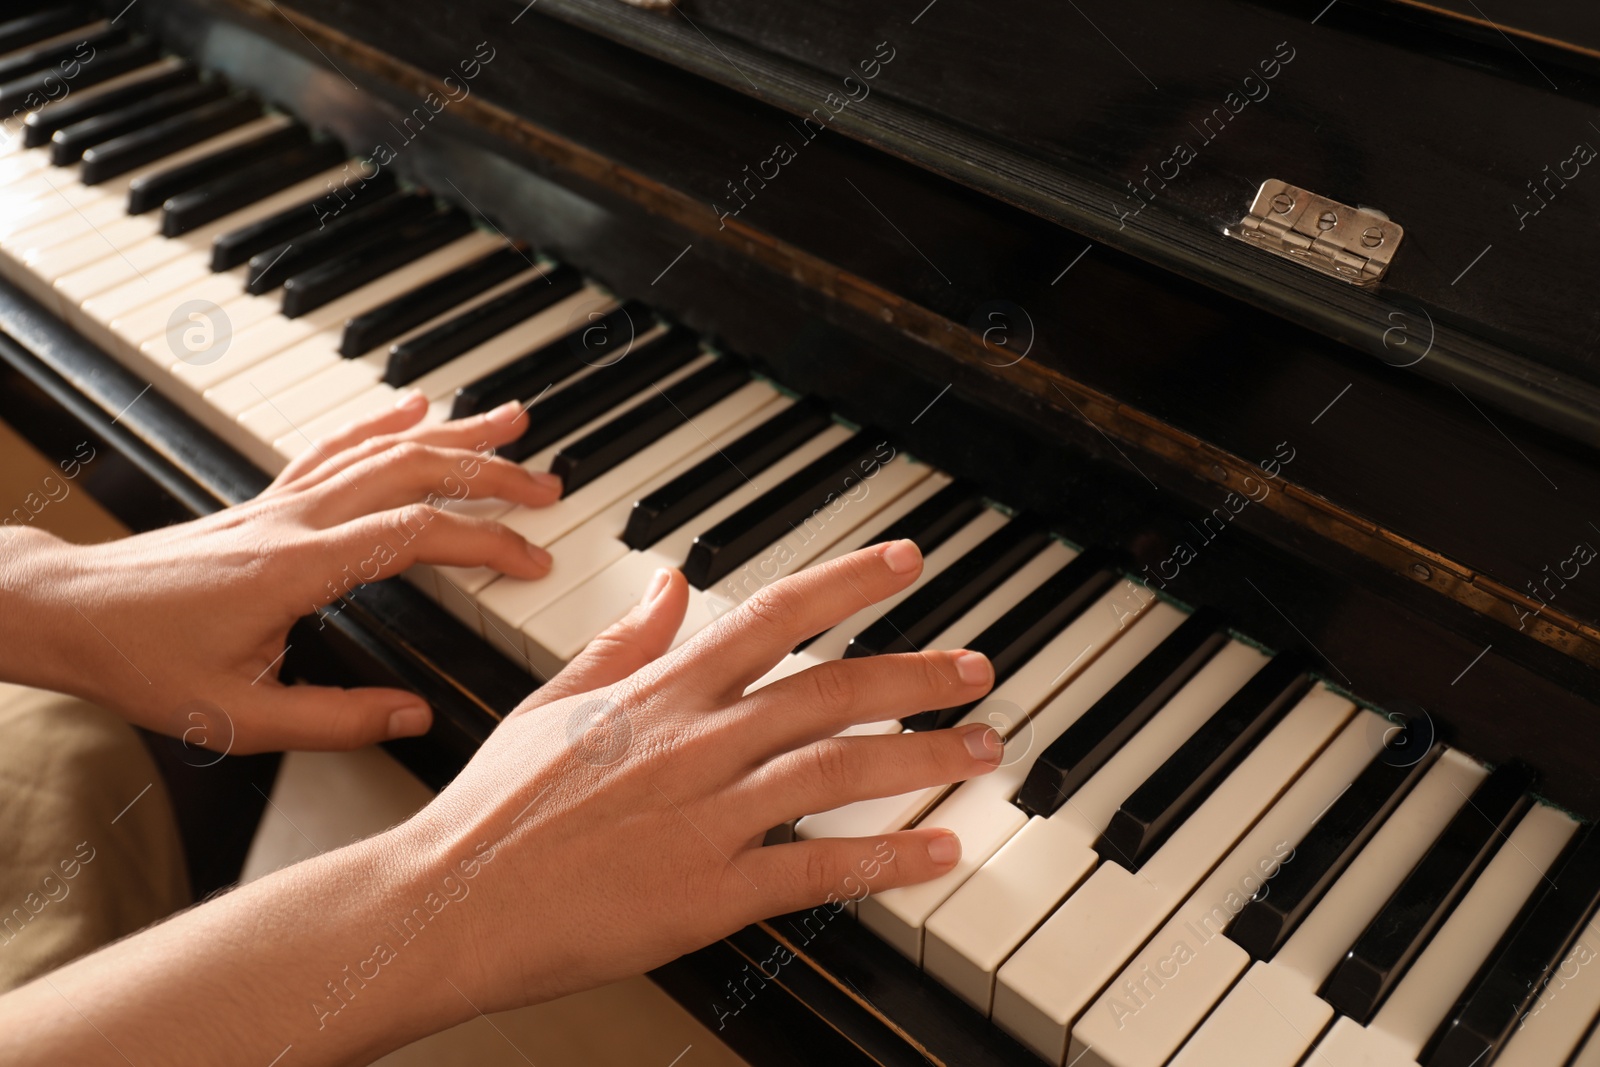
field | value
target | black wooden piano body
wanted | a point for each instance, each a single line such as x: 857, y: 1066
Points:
x: 1009, y: 235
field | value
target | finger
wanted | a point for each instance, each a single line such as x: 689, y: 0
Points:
x: 834, y: 870
x: 411, y: 471
x: 642, y: 636
x: 382, y: 545
x: 310, y: 717
x: 746, y: 642
x: 842, y: 770
x: 822, y: 700
x: 489, y: 430
x: 406, y: 413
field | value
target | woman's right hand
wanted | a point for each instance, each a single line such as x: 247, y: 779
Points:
x: 615, y: 822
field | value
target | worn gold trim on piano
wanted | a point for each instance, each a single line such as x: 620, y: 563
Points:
x: 1127, y: 425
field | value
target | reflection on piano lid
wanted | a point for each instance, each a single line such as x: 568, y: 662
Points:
x: 1198, y: 850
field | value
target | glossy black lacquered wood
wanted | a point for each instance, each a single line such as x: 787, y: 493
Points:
x: 228, y: 193
x: 669, y: 506
x: 352, y: 231
x: 601, y: 393
x: 388, y: 321
x: 68, y: 144
x: 408, y: 242
x: 39, y: 125
x: 1220, y: 374
x: 582, y: 461
x: 31, y: 90
x: 1267, y: 921
x: 775, y: 514
x: 1402, y: 927
x: 133, y: 150
x: 1182, y: 783
x: 1019, y: 634
x: 1096, y: 735
x: 230, y: 249
x: 948, y: 595
x: 27, y: 28
x: 150, y: 191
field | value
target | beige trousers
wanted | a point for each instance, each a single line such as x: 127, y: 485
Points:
x: 89, y: 848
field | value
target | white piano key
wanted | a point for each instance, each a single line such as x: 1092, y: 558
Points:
x: 1404, y: 1022
x: 1273, y: 1015
x: 981, y: 812
x: 80, y: 268
x: 1589, y: 1054
x: 1167, y: 990
x: 672, y: 454
x: 831, y: 645
x: 440, y: 384
x: 281, y: 353
x: 1551, y: 1029
x: 127, y: 265
x: 983, y: 921
x: 603, y: 597
x: 1043, y: 988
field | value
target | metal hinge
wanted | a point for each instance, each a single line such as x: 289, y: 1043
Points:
x: 1349, y: 243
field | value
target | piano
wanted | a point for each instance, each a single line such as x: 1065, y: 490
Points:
x: 1231, y: 362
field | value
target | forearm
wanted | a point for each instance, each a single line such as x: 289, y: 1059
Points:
x: 37, y: 635
x: 343, y: 957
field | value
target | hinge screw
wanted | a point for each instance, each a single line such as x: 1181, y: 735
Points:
x: 1372, y: 237
x: 1422, y: 571
x: 1327, y: 221
x: 1283, y: 203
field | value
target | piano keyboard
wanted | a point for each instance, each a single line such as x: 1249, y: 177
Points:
x: 1193, y: 852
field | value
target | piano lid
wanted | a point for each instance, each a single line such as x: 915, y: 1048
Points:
x: 1152, y: 128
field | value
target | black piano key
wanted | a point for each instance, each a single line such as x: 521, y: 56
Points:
x: 38, y: 126
x: 67, y: 144
x: 26, y: 89
x: 721, y: 550
x: 313, y: 288
x: 409, y: 310
x: 525, y: 377
x: 1182, y: 783
x: 690, y: 493
x: 591, y: 397
x: 220, y: 196
x: 150, y: 191
x: 929, y: 524
x: 949, y: 594
x: 1388, y: 945
x: 1088, y: 743
x: 32, y: 28
x: 131, y: 151
x: 1505, y: 992
x: 351, y: 232
x: 47, y: 55
x: 590, y: 456
x: 418, y: 355
x: 1019, y: 634
x: 238, y: 246
x: 1266, y: 922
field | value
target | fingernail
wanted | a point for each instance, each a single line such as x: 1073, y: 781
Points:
x: 984, y: 744
x: 411, y: 399
x: 409, y: 721
x: 510, y: 409
x: 539, y: 555
x: 973, y: 668
x: 902, y: 556
x: 658, y: 585
x: 944, y: 849
x: 545, y: 480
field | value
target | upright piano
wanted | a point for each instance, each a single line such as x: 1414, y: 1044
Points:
x: 1232, y: 363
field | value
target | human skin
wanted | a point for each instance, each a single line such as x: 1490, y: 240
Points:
x: 612, y: 822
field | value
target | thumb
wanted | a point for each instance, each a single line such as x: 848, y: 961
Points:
x: 314, y: 717
x: 634, y: 641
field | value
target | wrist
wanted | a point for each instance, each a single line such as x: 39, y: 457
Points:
x: 37, y: 638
